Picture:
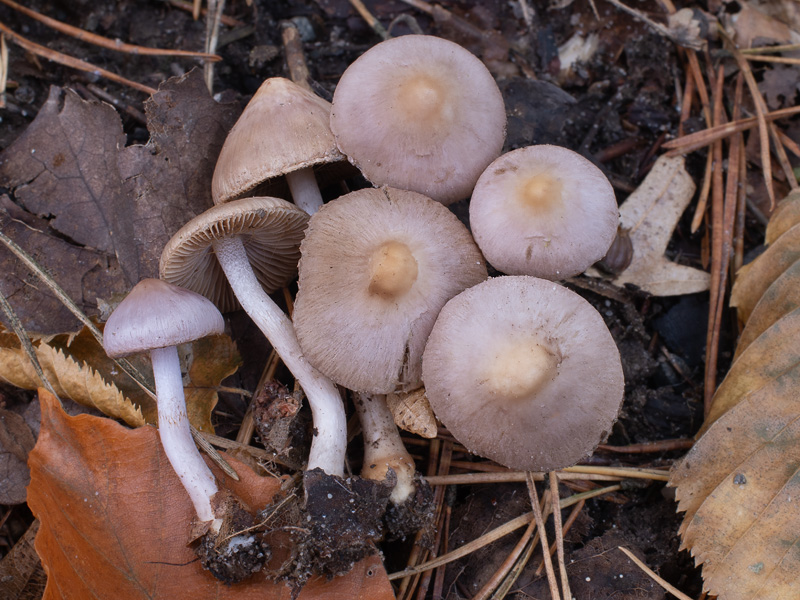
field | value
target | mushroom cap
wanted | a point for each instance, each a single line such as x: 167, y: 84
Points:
x: 271, y: 230
x: 525, y: 372
x: 377, y: 265
x: 157, y: 314
x: 419, y: 113
x: 283, y: 128
x: 544, y: 211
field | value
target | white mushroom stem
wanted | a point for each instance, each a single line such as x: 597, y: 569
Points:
x: 330, y: 426
x: 176, y: 435
x: 304, y: 188
x: 383, y: 448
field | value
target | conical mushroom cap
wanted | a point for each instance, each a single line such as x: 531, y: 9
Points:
x: 156, y: 314
x: 525, y: 372
x: 271, y: 230
x: 377, y: 266
x: 419, y: 113
x: 283, y: 128
x: 544, y: 211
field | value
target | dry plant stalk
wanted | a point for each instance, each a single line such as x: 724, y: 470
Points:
x: 548, y: 562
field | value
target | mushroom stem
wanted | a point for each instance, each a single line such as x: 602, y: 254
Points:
x: 330, y: 439
x: 176, y: 436
x: 383, y: 448
x: 304, y: 188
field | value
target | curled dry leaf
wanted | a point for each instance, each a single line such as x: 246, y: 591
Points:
x: 79, y: 369
x: 786, y: 216
x: 754, y: 278
x: 740, y: 486
x: 780, y: 298
x: 21, y: 572
x: 769, y: 356
x: 16, y: 441
x: 115, y: 519
x: 413, y: 412
x: 650, y: 214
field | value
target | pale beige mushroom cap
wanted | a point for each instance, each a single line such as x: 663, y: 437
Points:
x: 157, y: 314
x: 544, y: 211
x: 419, y: 113
x: 282, y: 129
x: 271, y: 230
x: 377, y: 266
x: 525, y: 372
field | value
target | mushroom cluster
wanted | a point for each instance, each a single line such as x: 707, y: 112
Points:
x: 393, y: 291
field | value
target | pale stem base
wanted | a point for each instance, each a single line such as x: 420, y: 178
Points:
x: 383, y: 447
x: 330, y: 439
x: 304, y: 188
x: 176, y: 435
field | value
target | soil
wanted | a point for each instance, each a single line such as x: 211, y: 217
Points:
x: 616, y: 109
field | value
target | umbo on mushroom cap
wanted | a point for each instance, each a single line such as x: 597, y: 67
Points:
x: 376, y: 267
x: 419, y: 113
x: 156, y: 314
x: 525, y: 372
x: 544, y: 211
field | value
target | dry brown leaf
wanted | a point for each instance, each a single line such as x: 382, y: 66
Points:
x: 753, y: 279
x: 740, y: 488
x: 115, y: 519
x: 16, y: 441
x: 780, y: 298
x: 786, y: 216
x: 79, y: 369
x: 749, y: 25
x: 21, y: 573
x: 651, y: 214
x: 413, y: 412
x: 769, y: 356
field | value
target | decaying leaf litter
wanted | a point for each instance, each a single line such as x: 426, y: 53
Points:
x: 617, y: 107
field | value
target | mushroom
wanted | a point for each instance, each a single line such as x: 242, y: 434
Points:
x: 527, y: 358
x: 377, y: 265
x: 156, y: 317
x: 247, y: 237
x: 419, y: 113
x: 544, y: 211
x: 283, y: 130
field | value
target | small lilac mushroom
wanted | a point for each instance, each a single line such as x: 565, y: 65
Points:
x: 419, y: 113
x: 243, y: 241
x: 525, y: 372
x: 283, y: 131
x: 156, y: 317
x: 544, y: 211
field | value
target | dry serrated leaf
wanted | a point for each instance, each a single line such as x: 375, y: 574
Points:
x: 786, y: 216
x: 740, y: 489
x: 754, y: 278
x: 413, y: 412
x: 651, y: 213
x: 780, y: 298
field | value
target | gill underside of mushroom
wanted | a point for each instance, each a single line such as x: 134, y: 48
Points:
x: 330, y: 425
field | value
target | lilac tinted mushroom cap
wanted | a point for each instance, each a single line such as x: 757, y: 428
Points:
x: 419, y: 113
x: 544, y: 211
x: 377, y: 265
x: 525, y: 372
x: 284, y: 128
x: 156, y: 314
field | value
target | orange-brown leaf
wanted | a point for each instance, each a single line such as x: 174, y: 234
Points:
x: 115, y: 519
